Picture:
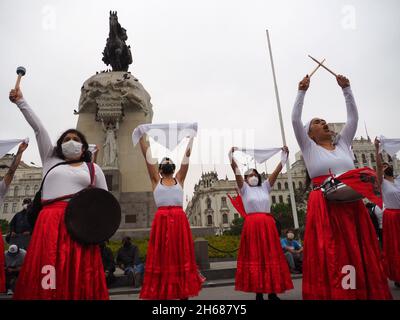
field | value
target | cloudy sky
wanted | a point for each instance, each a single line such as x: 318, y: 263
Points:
x: 207, y: 61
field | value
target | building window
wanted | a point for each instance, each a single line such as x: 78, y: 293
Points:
x: 279, y: 186
x: 16, y: 191
x: 5, y: 208
x: 301, y: 185
x: 223, y: 202
x: 130, y: 218
x: 36, y: 188
x: 225, y: 218
x: 236, y: 215
x: 273, y: 199
x: 14, y: 208
x: 364, y: 158
x: 372, y: 157
x: 109, y: 181
x: 209, y: 220
x: 280, y: 199
x: 27, y: 190
x: 287, y: 186
x: 208, y: 203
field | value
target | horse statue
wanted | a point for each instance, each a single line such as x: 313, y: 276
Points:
x: 117, y: 53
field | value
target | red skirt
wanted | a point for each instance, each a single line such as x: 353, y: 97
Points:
x: 339, y: 235
x: 391, y: 243
x: 170, y: 270
x: 261, y: 264
x: 2, y: 266
x: 78, y: 269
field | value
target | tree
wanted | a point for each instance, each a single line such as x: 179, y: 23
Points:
x: 4, y: 226
x: 236, y: 227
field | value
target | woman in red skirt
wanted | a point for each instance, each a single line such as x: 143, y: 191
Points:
x: 341, y: 257
x: 170, y: 270
x: 261, y: 264
x: 4, y: 185
x: 391, y: 217
x: 55, y: 266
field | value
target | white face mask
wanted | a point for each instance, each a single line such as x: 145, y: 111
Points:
x: 72, y: 149
x: 253, y: 181
x: 290, y: 236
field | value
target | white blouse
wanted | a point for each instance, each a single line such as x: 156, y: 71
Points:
x: 168, y: 195
x: 391, y: 193
x: 256, y: 199
x: 317, y: 159
x: 64, y: 179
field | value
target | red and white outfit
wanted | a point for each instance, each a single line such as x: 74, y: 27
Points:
x: 79, y: 272
x: 3, y: 191
x: 391, y: 228
x: 261, y: 265
x: 170, y: 271
x: 337, y: 234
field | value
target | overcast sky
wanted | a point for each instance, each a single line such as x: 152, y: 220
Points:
x: 207, y: 61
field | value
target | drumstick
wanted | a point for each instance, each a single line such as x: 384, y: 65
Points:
x: 326, y: 68
x: 316, y: 68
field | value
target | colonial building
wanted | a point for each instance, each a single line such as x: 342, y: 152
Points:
x: 25, y: 184
x: 210, y: 205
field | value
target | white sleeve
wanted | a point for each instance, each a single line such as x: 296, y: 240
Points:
x: 45, y: 145
x: 267, y: 185
x: 100, y: 178
x: 244, y: 188
x: 349, y: 130
x: 302, y: 138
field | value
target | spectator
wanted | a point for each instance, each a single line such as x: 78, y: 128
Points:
x: 128, y: 260
x: 14, y: 258
x: 20, y: 229
x: 376, y: 215
x: 108, y: 262
x: 293, y: 252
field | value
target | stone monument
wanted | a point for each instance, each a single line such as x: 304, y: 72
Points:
x: 111, y: 105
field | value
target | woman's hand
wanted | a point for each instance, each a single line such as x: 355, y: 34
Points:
x: 285, y: 149
x: 305, y: 83
x: 15, y: 95
x: 377, y: 143
x: 342, y: 81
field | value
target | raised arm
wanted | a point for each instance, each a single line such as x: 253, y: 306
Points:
x: 181, y: 174
x: 45, y: 145
x: 150, y: 161
x: 14, y: 165
x: 274, y: 175
x: 349, y: 130
x: 379, y: 164
x: 298, y: 126
x: 235, y: 168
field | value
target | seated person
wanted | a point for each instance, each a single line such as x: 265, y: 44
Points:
x: 293, y: 252
x: 128, y: 260
x: 108, y: 263
x: 14, y: 258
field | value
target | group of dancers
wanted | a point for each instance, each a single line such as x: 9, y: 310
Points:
x: 336, y: 235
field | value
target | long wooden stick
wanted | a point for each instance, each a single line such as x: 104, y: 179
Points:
x: 323, y: 66
x: 289, y: 174
x: 316, y: 68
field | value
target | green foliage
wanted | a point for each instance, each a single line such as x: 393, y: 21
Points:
x: 236, y: 227
x: 4, y: 226
x: 142, y: 244
x: 224, y: 243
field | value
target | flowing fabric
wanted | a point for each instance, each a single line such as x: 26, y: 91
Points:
x: 167, y: 134
x: 7, y: 145
x: 79, y: 272
x: 391, y: 243
x: 2, y: 266
x: 262, y: 155
x: 391, y: 146
x: 339, y: 235
x: 237, y: 203
x: 170, y: 270
x: 261, y: 264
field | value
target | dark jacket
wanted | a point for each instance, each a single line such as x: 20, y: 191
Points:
x: 108, y: 258
x: 128, y: 256
x: 19, y: 223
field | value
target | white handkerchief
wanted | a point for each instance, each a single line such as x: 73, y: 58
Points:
x: 391, y: 146
x: 168, y: 135
x: 7, y: 145
x: 262, y: 155
x: 93, y: 148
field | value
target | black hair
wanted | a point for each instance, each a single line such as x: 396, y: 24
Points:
x: 247, y: 173
x: 289, y: 230
x: 86, y: 154
x: 166, y: 159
